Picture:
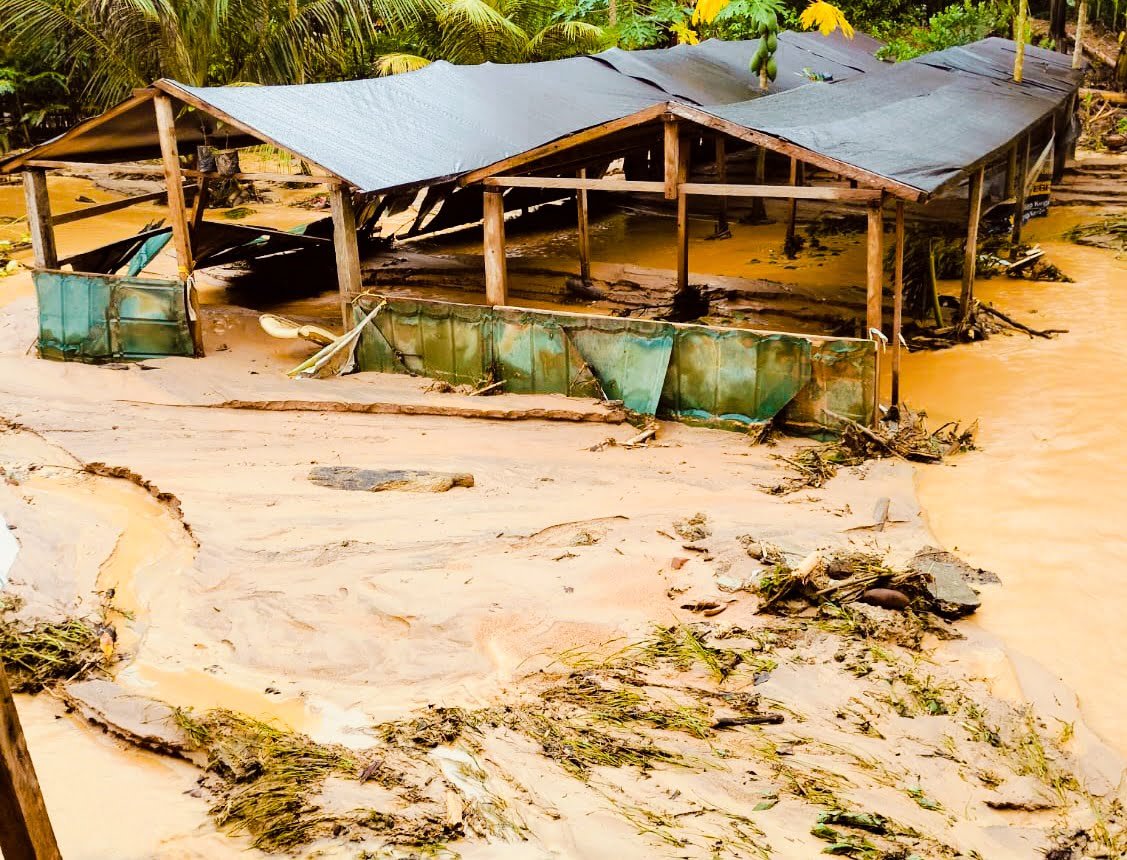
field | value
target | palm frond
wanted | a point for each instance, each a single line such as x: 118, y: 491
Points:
x: 397, y: 64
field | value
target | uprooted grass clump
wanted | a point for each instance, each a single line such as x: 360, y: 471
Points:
x: 36, y: 654
x: 906, y: 437
x: 267, y: 783
x: 263, y: 777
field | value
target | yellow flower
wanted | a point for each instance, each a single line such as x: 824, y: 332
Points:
x: 825, y: 17
x: 685, y: 34
x: 706, y: 10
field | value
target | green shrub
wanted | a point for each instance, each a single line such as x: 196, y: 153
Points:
x: 959, y: 24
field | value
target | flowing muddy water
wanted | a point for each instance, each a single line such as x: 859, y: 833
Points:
x: 1043, y: 502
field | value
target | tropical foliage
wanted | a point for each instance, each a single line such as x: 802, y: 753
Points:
x: 959, y: 24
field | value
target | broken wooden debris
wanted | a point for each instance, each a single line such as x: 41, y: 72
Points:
x: 580, y: 412
x: 379, y: 480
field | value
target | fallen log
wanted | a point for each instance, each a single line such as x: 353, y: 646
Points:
x: 1109, y: 96
x: 1032, y: 332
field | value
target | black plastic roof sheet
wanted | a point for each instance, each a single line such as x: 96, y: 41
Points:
x: 444, y: 120
x: 922, y: 123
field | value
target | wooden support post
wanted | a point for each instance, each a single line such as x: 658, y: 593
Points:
x: 897, y: 304
x: 1011, y: 171
x: 25, y: 829
x: 722, y: 225
x: 1020, y: 187
x: 682, y: 242
x: 1021, y: 22
x: 970, y: 252
x: 349, y: 280
x: 584, y: 230
x: 496, y: 276
x: 673, y: 159
x: 39, y: 218
x: 758, y: 207
x: 1081, y: 24
x: 177, y: 211
x: 199, y: 206
x: 177, y: 216
x: 874, y: 268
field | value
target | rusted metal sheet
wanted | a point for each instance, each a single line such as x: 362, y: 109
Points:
x: 717, y: 377
x: 93, y: 317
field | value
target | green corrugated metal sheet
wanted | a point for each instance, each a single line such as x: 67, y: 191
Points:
x: 92, y: 317
x: 707, y: 375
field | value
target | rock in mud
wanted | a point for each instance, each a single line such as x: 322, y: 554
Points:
x: 378, y: 480
x: 949, y: 587
x: 138, y: 719
x: 886, y: 598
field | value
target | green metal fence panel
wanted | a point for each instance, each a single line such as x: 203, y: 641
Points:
x: 844, y: 377
x: 442, y: 340
x: 534, y: 354
x: 725, y: 376
x: 718, y: 377
x: 94, y: 317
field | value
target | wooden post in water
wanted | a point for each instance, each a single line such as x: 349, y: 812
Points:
x: 25, y: 829
x: 897, y: 304
x: 682, y: 242
x: 788, y: 244
x: 347, y: 250
x: 496, y: 276
x: 970, y: 251
x: 758, y: 207
x: 39, y: 218
x: 584, y: 230
x: 722, y: 225
x: 874, y: 267
x: 1019, y: 196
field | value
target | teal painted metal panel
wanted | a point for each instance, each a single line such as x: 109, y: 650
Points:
x: 95, y: 317
x: 728, y: 378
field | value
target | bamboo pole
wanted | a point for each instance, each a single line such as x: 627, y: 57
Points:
x: 39, y: 219
x: 970, y: 251
x: 897, y: 303
x: 347, y: 251
x: 1020, y: 23
x: 496, y: 276
x: 25, y: 829
x: 874, y: 268
x: 1081, y: 23
x: 584, y: 230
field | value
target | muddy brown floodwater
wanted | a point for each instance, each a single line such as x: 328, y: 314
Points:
x: 1043, y: 502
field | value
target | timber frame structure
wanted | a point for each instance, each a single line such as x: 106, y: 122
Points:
x: 673, y: 127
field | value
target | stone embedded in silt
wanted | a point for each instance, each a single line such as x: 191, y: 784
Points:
x: 378, y: 480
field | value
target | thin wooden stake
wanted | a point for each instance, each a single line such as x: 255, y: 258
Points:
x: 25, y: 829
x: 1019, y: 38
x: 897, y: 303
x: 970, y: 252
x: 722, y: 225
x: 349, y: 279
x: 874, y: 268
x: 758, y: 207
x: 792, y: 221
x: 682, y: 242
x: 584, y: 230
x: 39, y: 219
x: 496, y: 276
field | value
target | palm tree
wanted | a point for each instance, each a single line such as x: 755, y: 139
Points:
x: 106, y: 48
x: 480, y: 31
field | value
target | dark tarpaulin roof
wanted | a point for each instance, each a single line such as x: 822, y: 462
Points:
x: 921, y: 123
x: 444, y: 120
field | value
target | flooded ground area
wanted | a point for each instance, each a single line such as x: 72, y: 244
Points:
x: 567, y: 658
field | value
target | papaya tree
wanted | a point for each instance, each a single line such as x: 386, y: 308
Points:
x: 765, y: 17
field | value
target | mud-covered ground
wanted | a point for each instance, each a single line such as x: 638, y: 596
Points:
x: 551, y: 603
